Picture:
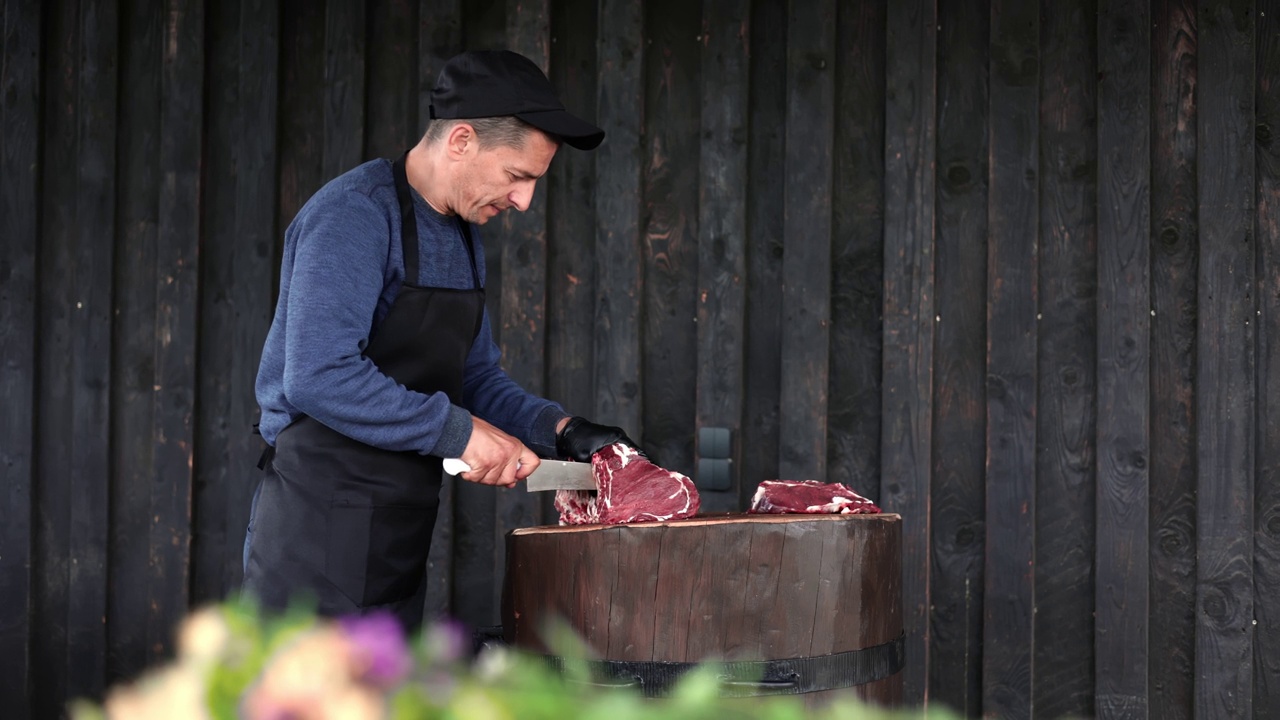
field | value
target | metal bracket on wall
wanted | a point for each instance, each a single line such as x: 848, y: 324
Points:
x: 715, y: 463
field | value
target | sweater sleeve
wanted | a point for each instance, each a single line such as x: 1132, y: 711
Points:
x: 338, y: 275
x: 492, y: 395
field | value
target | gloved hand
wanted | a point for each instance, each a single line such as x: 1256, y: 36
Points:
x: 581, y: 438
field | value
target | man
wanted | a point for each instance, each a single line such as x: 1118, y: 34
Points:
x: 380, y: 361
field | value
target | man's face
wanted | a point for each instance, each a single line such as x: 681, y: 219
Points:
x: 497, y: 177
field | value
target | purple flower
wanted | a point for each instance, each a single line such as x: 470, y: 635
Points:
x: 380, y: 645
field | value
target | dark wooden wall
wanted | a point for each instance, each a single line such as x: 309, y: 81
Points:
x: 1008, y: 268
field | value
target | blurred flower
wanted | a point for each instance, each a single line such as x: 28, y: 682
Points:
x: 314, y: 678
x: 445, y: 641
x: 380, y: 652
x: 493, y: 664
x: 350, y: 702
x: 176, y: 691
x: 232, y: 662
x: 204, y: 636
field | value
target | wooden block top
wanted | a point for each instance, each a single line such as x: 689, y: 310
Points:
x: 718, y: 519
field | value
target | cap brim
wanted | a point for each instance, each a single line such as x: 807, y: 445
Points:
x: 570, y: 128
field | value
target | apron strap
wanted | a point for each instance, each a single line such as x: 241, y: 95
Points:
x: 408, y: 221
x: 409, y: 227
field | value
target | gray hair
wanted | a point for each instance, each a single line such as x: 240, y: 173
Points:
x: 504, y: 131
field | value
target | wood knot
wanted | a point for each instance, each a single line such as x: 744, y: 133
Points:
x: 1171, y: 542
x: 1272, y: 524
x: 958, y: 175
x: 1070, y: 376
x: 1216, y: 605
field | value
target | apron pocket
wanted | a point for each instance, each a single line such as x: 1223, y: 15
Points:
x: 378, y: 555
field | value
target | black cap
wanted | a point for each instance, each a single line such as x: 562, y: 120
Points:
x: 496, y: 83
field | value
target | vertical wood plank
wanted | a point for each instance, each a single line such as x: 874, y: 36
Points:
x: 713, y: 572
x: 669, y: 231
x: 75, y: 288
x: 857, y: 250
x: 220, y: 430
x: 879, y: 615
x: 598, y: 610
x: 855, y: 593
x: 1067, y: 366
x: 632, y: 601
x: 1227, y: 312
x: 1012, y: 305
x: 523, y: 316
x: 176, y: 277
x: 301, y: 143
x: 344, y: 85
x: 392, y: 79
x: 838, y: 566
x: 1124, y: 314
x: 1174, y: 251
x: 722, y: 233
x: 767, y: 107
x: 619, y: 281
x: 238, y: 210
x: 570, y: 334
x: 55, y: 386
x: 439, y: 38
x: 806, y: 225
x: 89, y: 430
x: 21, y: 33
x: 570, y: 215
x: 791, y: 620
x: 675, y: 592
x: 852, y: 592
x: 1266, y: 560
x: 134, y: 338
x: 909, y: 316
x: 765, y: 553
x: 955, y: 582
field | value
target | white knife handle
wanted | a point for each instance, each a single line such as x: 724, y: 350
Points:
x: 456, y: 466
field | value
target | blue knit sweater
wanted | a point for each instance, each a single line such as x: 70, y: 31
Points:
x: 343, y: 265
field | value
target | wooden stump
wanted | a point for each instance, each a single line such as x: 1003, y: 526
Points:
x: 816, y: 597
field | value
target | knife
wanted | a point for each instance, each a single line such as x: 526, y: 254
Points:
x: 550, y: 475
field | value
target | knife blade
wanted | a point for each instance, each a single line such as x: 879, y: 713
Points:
x: 550, y: 475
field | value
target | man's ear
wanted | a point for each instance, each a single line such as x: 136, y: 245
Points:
x: 460, y: 140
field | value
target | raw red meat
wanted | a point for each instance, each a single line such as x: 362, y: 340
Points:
x: 629, y: 489
x: 808, y: 496
x: 577, y: 507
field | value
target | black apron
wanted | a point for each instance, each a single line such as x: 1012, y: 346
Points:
x: 347, y: 525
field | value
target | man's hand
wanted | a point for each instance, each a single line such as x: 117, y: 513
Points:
x: 495, y: 457
x: 580, y: 438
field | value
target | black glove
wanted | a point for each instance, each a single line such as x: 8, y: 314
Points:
x: 581, y: 438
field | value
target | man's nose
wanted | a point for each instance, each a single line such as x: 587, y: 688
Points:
x: 522, y: 195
